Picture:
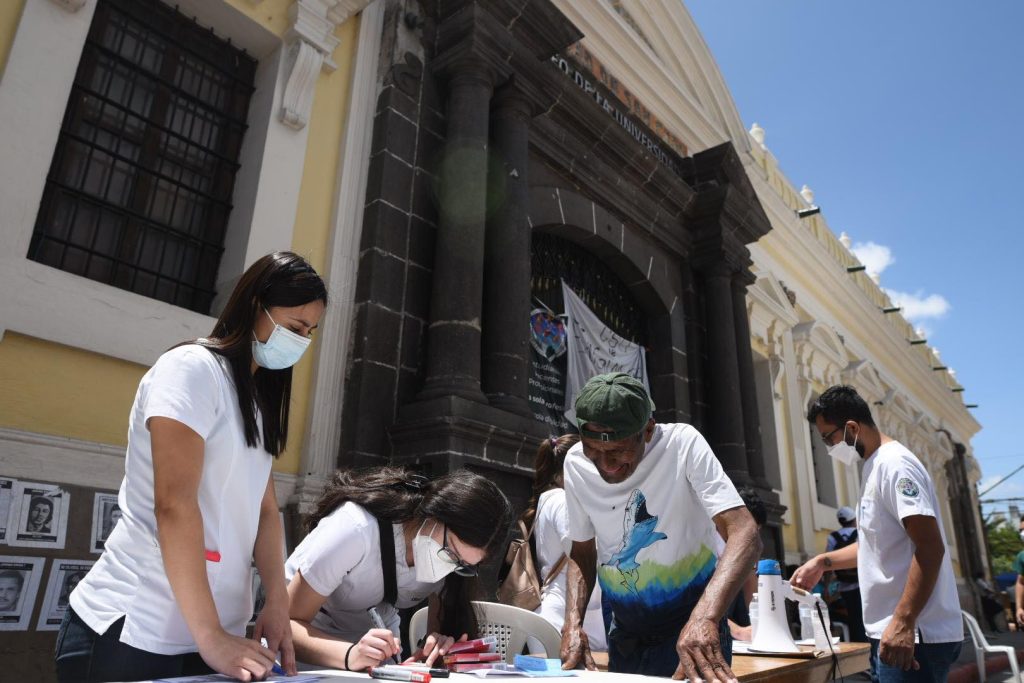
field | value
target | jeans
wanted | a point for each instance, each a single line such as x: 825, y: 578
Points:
x: 935, y: 660
x: 84, y: 656
x: 653, y: 655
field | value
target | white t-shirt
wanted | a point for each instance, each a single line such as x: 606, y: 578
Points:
x: 657, y: 545
x: 340, y: 559
x: 192, y: 385
x: 551, y: 533
x: 897, y: 486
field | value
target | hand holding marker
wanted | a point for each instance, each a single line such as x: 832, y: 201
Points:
x: 379, y: 623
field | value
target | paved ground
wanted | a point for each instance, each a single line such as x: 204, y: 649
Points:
x: 969, y: 668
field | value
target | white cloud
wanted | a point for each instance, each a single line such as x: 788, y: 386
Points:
x: 920, y: 306
x: 877, y: 257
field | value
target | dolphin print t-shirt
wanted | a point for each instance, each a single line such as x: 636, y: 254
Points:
x: 657, y: 545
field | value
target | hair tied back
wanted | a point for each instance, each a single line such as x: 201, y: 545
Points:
x: 416, y: 483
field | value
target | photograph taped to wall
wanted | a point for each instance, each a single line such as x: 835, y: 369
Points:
x: 19, y: 583
x: 105, y: 515
x: 39, y: 515
x: 64, y: 576
x: 6, y: 487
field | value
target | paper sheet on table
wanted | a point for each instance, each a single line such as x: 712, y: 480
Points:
x: 488, y: 673
x: 218, y: 678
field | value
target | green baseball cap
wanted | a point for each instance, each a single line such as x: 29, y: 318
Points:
x: 615, y: 400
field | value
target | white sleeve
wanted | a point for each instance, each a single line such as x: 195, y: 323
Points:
x: 905, y: 489
x: 330, y: 551
x: 580, y: 527
x: 183, y: 386
x: 705, y: 474
x: 558, y: 513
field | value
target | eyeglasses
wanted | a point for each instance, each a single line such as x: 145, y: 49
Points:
x: 449, y: 555
x: 827, y: 437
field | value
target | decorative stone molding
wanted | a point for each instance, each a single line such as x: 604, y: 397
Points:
x: 70, y: 5
x: 311, y: 48
x: 323, y: 428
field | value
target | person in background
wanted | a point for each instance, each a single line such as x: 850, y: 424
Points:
x: 440, y: 531
x: 990, y: 604
x: 849, y: 586
x: 911, y: 608
x: 171, y: 593
x: 649, y: 506
x: 547, y: 510
x: 1018, y: 586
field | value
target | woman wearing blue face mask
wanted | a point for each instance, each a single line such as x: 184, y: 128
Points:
x: 387, y: 526
x: 170, y: 596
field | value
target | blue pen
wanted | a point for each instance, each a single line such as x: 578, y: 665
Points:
x: 276, y: 668
x: 379, y: 623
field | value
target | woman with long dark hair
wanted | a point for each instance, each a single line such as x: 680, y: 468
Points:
x: 547, y: 510
x: 438, y: 531
x: 170, y: 595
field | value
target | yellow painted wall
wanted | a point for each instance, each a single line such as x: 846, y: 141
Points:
x: 272, y: 14
x: 313, y: 219
x: 10, y: 14
x: 53, y: 389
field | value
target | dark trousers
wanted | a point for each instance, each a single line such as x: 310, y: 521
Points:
x: 935, y: 660
x: 653, y: 654
x: 854, y: 615
x: 84, y: 656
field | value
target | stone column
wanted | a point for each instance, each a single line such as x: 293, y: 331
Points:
x: 748, y: 385
x: 507, y: 258
x: 453, y: 337
x: 725, y: 411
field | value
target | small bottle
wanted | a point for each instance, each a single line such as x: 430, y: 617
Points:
x: 753, y: 617
x: 806, y: 622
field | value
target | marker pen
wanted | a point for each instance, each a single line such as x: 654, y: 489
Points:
x: 379, y: 623
x: 435, y: 672
x: 390, y: 673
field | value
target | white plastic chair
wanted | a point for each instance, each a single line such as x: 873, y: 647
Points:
x: 844, y: 631
x: 511, y: 625
x: 982, y: 648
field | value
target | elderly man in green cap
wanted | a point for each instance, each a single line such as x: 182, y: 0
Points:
x: 649, y: 507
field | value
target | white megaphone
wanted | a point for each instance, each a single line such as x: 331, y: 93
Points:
x: 772, y: 625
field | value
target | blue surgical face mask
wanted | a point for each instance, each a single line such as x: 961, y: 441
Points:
x: 282, y: 349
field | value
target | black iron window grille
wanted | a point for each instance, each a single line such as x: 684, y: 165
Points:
x: 139, y: 189
x: 555, y: 259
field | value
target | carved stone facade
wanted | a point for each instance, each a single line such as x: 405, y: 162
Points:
x: 486, y: 133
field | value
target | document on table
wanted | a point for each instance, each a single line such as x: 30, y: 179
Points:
x: 219, y: 678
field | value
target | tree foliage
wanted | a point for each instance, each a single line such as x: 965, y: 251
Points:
x: 1004, y: 543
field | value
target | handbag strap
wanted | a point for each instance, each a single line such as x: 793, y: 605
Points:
x: 556, y: 569
x: 387, y: 561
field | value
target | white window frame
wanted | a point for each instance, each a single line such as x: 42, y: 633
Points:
x: 47, y: 303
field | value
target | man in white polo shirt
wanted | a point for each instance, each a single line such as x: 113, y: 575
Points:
x: 911, y: 610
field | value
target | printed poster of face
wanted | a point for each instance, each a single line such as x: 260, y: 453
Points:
x: 105, y: 515
x: 39, y: 515
x: 64, y: 576
x: 6, y: 486
x: 19, y: 583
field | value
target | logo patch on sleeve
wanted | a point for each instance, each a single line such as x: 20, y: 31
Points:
x: 907, y: 487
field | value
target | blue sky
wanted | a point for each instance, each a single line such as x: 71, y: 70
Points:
x: 907, y: 120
